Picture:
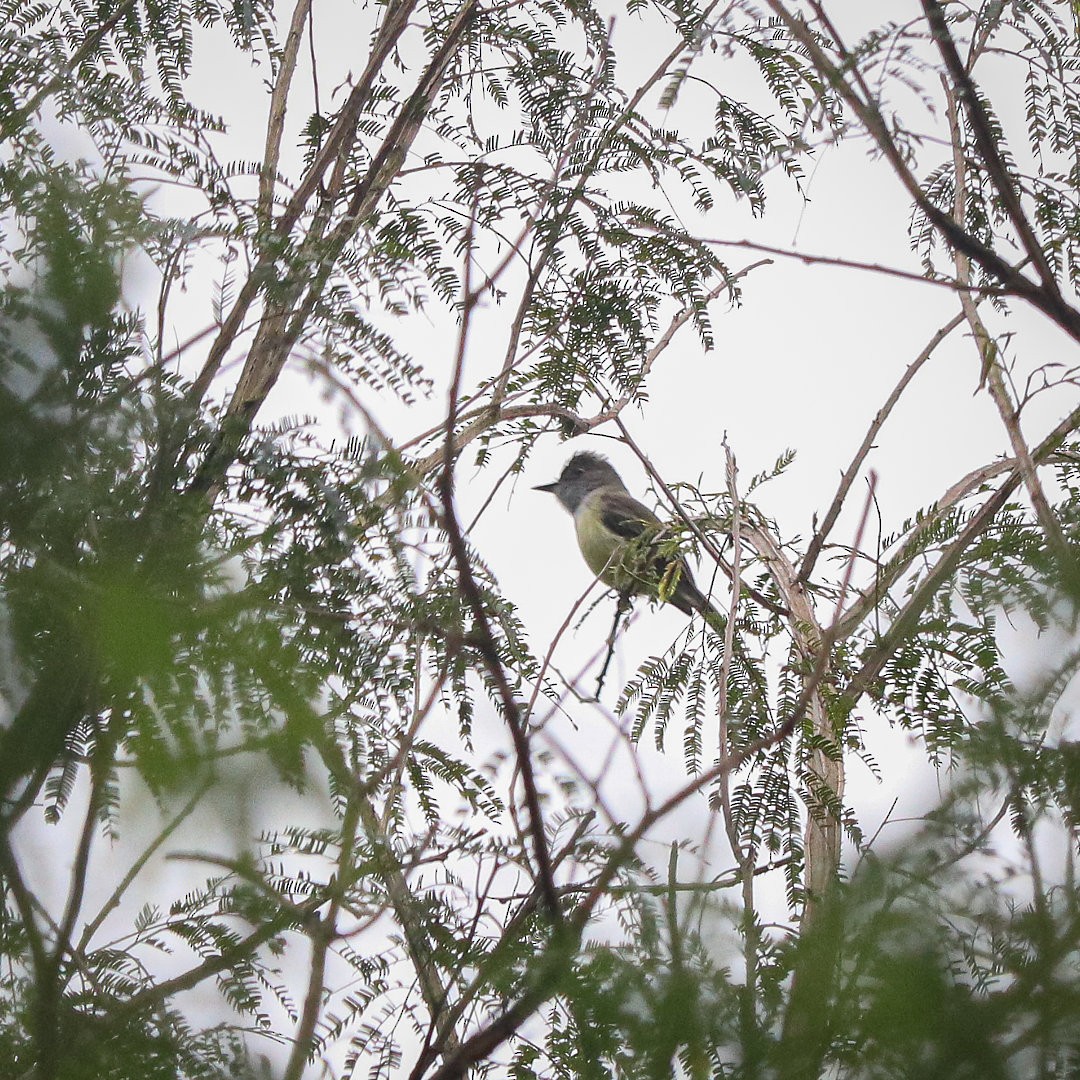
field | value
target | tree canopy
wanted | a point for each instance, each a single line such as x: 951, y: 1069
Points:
x: 290, y: 783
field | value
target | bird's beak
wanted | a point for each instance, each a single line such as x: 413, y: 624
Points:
x: 547, y: 487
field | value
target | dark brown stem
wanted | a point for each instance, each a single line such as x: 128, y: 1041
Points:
x: 988, y: 148
x: 821, y: 534
x: 482, y: 634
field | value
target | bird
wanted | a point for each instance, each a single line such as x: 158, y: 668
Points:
x: 617, y: 534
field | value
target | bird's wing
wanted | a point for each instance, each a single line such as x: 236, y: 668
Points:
x: 624, y: 515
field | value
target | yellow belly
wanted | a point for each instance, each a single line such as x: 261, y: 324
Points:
x: 605, y: 553
x: 598, y: 545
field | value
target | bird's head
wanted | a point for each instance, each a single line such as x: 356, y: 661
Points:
x: 582, y: 474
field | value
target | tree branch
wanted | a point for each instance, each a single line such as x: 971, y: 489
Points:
x: 988, y: 149
x: 821, y: 534
x: 1044, y: 299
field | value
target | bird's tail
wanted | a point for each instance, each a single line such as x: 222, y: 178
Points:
x: 717, y: 622
x: 688, y: 598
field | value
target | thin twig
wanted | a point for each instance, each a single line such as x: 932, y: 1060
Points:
x: 821, y: 534
x: 322, y: 933
x: 810, y: 259
x: 110, y: 905
x: 620, y: 607
x: 484, y: 639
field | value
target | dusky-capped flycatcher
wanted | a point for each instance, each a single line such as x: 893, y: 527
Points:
x: 616, y: 535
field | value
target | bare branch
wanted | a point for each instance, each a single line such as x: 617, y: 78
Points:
x: 821, y: 534
x: 279, y: 101
x: 484, y: 638
x: 990, y: 157
x: 990, y: 362
x: 907, y: 620
x: 1045, y: 299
